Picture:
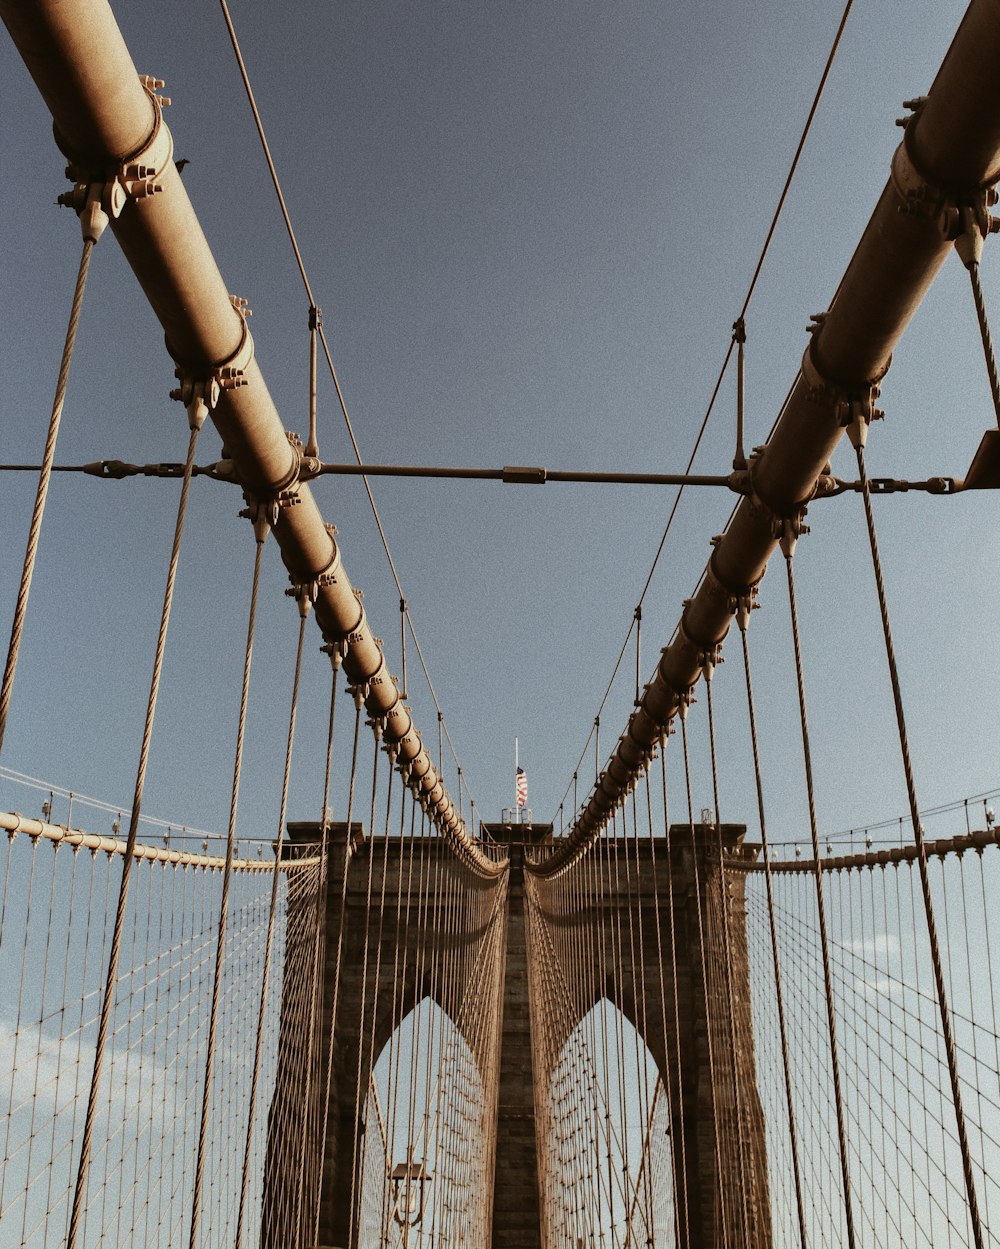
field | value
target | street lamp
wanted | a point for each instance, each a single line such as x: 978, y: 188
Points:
x: 408, y: 1182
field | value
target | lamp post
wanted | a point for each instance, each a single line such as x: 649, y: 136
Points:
x: 408, y: 1183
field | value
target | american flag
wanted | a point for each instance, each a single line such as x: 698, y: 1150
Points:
x: 521, y: 788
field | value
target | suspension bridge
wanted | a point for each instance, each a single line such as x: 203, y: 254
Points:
x: 387, y: 1020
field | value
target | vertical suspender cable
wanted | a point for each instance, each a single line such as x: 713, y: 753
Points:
x: 740, y: 338
x: 728, y: 955
x: 638, y: 653
x: 357, y: 1153
x: 406, y: 855
x: 303, y: 601
x: 220, y: 948
x: 402, y: 644
x: 114, y: 957
x: 322, y: 903
x: 309, y: 1164
x: 315, y: 321
x: 642, y: 1004
x: 680, y: 1195
x: 719, y: 1202
x: 857, y: 437
x: 93, y: 227
x: 683, y: 1164
x: 373, y: 1026
x: 831, y: 1014
x: 338, y: 957
x: 742, y: 617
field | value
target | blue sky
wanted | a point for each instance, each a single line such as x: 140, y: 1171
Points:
x: 530, y: 228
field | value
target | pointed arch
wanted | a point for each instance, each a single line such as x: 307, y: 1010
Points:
x: 604, y: 1133
x: 428, y: 1121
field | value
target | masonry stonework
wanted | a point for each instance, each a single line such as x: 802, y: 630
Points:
x: 682, y: 901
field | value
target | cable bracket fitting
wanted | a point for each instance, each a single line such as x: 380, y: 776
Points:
x: 200, y: 388
x: 262, y: 514
x: 310, y: 588
x: 853, y: 403
x: 729, y: 588
x: 962, y: 213
x: 787, y: 530
x: 710, y: 660
x: 359, y: 693
x: 742, y: 605
x: 100, y: 195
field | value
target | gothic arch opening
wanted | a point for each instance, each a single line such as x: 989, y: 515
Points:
x: 427, y: 1156
x: 604, y: 1139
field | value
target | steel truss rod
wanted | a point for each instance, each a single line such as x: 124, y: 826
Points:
x: 528, y: 475
x: 739, y: 482
x: 518, y: 475
x: 948, y: 160
x: 109, y: 124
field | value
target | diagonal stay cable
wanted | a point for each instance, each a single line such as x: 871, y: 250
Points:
x: 93, y: 225
x: 272, y: 169
x: 795, y: 159
x: 649, y: 578
x: 807, y: 127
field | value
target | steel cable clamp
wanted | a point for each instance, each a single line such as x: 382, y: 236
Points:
x: 106, y: 191
x: 200, y: 388
x: 962, y: 213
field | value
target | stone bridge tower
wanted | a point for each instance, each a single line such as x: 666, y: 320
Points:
x: 679, y: 1039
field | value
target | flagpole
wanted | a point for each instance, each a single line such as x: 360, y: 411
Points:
x: 517, y: 764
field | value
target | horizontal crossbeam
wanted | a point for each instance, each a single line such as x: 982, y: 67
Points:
x: 738, y: 482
